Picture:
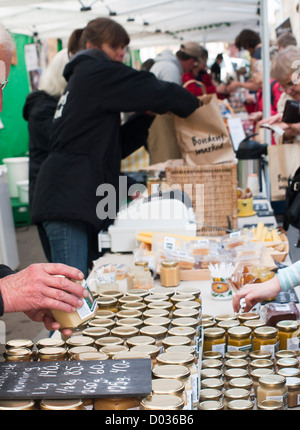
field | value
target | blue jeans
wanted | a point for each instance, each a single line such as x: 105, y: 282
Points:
x: 68, y: 243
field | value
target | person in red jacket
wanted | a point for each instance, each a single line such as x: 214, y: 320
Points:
x: 200, y: 74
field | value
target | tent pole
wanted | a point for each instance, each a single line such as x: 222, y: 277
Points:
x: 266, y: 81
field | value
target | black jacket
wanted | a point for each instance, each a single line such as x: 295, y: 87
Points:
x: 89, y: 142
x: 38, y: 110
x: 4, y: 271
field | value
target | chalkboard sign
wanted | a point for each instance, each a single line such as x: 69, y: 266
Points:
x: 75, y: 379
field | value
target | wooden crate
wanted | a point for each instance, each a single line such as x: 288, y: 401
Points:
x: 213, y: 192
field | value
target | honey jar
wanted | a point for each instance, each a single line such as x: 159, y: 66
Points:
x: 189, y: 304
x: 214, y: 340
x: 140, y: 340
x: 212, y: 363
x: 191, y: 290
x: 96, y: 332
x: 78, y: 349
x: 247, y: 316
x: 272, y: 387
x: 258, y: 373
x: 288, y: 335
x: 285, y: 353
x: 108, y: 341
x: 240, y: 405
x: 210, y: 405
x: 288, y: 372
x: 50, y: 341
x: 235, y: 394
x: 161, y: 304
x: 186, y: 312
x: 236, y: 354
x: 80, y: 341
x: 253, y: 324
x: 52, y: 353
x: 167, y: 387
x: 189, y: 332
x: 157, y: 332
x: 130, y: 299
x: 116, y: 403
x: 175, y: 341
x: 293, y: 386
x: 88, y: 356
x: 236, y: 363
x: 150, y: 313
x: 216, y: 383
x: 102, y: 313
x: 169, y: 273
x: 161, y: 402
x: 270, y: 405
x: 180, y: 372
x: 61, y: 405
x: 266, y: 338
x: 17, y: 405
x: 239, y: 339
x: 253, y: 355
x: 155, y: 297
x: 137, y: 292
x: 107, y: 304
x: 287, y: 362
x: 212, y: 354
x: 151, y: 350
x: 211, y: 372
x: 133, y: 322
x: 129, y: 313
x: 80, y: 316
x: 111, y: 350
x: 210, y: 394
x: 19, y: 354
x: 157, y: 321
x: 124, y: 332
x: 107, y: 323
x: 261, y: 363
x: 245, y: 383
x: 139, y: 306
x: 232, y: 373
x: 19, y: 343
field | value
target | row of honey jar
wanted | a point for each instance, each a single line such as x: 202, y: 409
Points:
x: 243, y: 370
x: 253, y: 334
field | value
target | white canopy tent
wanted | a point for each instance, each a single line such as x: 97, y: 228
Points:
x: 149, y: 22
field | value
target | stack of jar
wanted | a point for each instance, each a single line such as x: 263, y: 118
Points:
x: 162, y: 324
x: 240, y: 352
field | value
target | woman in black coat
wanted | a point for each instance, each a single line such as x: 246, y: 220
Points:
x: 89, y: 142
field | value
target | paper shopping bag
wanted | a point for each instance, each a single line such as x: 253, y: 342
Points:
x: 203, y: 137
x: 284, y: 160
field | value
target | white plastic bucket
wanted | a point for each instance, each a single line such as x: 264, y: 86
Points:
x: 17, y: 170
x: 23, y: 191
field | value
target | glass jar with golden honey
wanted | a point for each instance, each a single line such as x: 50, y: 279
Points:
x: 157, y: 332
x: 161, y: 402
x: 239, y: 339
x: 116, y: 403
x: 270, y: 405
x: 214, y: 340
x: 52, y: 353
x: 168, y: 386
x: 289, y: 335
x: 151, y: 350
x: 169, y: 273
x: 235, y: 394
x: 293, y: 386
x: 107, y: 304
x: 61, y: 405
x: 247, y: 316
x: 210, y: 394
x: 17, y: 405
x: 108, y: 341
x: 133, y: 322
x: 240, y: 405
x: 19, y: 343
x: 111, y: 350
x: 19, y: 354
x: 80, y: 341
x: 258, y: 373
x: 210, y: 405
x: 266, y: 339
x: 272, y: 387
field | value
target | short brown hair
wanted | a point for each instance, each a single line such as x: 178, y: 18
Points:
x: 247, y: 39
x: 286, y: 39
x: 104, y: 30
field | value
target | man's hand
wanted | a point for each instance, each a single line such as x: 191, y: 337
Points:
x: 36, y: 288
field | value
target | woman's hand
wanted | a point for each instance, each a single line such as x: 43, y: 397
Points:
x: 254, y: 293
x: 272, y: 119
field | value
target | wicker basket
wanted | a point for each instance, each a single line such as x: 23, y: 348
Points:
x: 213, y: 192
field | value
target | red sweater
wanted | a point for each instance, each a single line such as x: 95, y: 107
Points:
x: 195, y: 88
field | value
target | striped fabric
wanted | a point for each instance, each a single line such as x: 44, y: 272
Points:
x: 135, y: 161
x: 289, y: 277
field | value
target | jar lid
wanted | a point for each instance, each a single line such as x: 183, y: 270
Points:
x: 140, y: 306
x: 16, y: 404
x: 266, y: 332
x: 116, y: 294
x: 96, y: 332
x: 182, y: 298
x: 189, y: 290
x: 186, y: 312
x: 225, y: 317
x: 293, y: 382
x: 151, y: 350
x: 183, y: 358
x: 258, y: 373
x: 288, y: 371
x: 210, y: 394
x: 176, y: 371
x: 210, y: 405
x: 212, y: 363
x: 236, y: 362
x: 212, y: 354
x: 254, y: 323
x: 212, y: 383
x: 49, y: 341
x: 105, y: 313
x: 162, y: 402
x: 169, y: 263
x: 140, y: 340
x: 208, y: 317
x: 226, y: 324
x: 142, y: 263
x: 155, y: 298
x: 287, y: 362
x: 176, y: 340
x: 129, y: 313
x: 87, y: 356
x: 130, y: 299
x: 214, y: 332
x: 235, y: 373
x: 270, y: 405
x: 52, y: 350
x: 236, y: 393
x: 124, y: 331
x: 240, y: 383
x: 18, y: 352
x: 60, y: 404
x: 167, y: 386
x: 102, y: 322
x: 79, y: 340
x: 239, y: 332
x: 160, y: 321
x: 137, y: 292
x: 133, y: 322
x: 272, y: 381
x: 260, y: 363
x: 284, y: 353
x: 161, y: 304
x: 109, y: 340
x: 182, y: 331
x: 106, y: 301
x: 111, y: 350
x: 287, y: 325
x: 260, y: 354
x: 185, y: 322
x: 246, y: 316
x: 181, y: 348
x: 149, y: 313
x: 235, y: 354
x: 19, y: 343
x: 156, y: 331
x: 240, y: 405
x: 167, y: 291
x: 211, y: 372
x: 78, y: 349
x: 191, y: 304
x: 130, y: 354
